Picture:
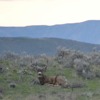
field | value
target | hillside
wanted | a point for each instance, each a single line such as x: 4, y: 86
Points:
x: 78, y: 72
x: 43, y: 45
x: 88, y: 31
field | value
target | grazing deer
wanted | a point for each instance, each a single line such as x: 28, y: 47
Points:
x: 54, y: 80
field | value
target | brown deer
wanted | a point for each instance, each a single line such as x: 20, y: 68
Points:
x: 54, y: 80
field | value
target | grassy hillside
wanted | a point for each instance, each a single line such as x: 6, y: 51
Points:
x: 19, y: 80
x: 43, y: 45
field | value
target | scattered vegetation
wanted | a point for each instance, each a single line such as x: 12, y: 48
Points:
x: 18, y: 76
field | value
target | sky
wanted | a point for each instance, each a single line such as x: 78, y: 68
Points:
x: 47, y: 12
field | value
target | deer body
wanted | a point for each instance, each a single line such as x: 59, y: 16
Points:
x: 50, y: 80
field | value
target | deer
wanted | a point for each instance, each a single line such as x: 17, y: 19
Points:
x: 56, y: 80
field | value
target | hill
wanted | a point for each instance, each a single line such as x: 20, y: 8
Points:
x: 42, y: 45
x: 79, y: 74
x: 87, y: 31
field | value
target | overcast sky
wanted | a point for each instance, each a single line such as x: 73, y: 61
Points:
x: 47, y: 12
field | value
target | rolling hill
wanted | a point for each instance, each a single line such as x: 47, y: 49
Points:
x: 88, y: 31
x: 42, y: 45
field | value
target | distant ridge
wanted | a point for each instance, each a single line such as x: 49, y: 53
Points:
x: 42, y: 45
x: 88, y: 31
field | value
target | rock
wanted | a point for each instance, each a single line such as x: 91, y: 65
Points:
x: 12, y: 85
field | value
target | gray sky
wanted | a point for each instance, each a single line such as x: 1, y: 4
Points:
x: 47, y: 12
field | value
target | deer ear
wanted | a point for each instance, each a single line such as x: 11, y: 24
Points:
x: 45, y: 68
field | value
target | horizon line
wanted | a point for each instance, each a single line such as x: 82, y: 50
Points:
x: 78, y: 22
